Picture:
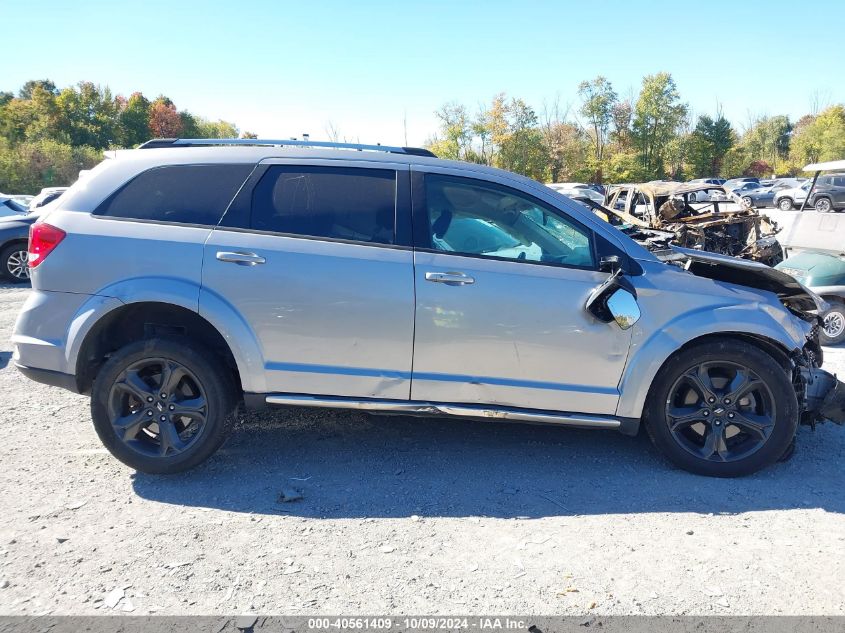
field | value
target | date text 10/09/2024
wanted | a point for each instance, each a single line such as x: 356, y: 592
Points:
x: 418, y: 623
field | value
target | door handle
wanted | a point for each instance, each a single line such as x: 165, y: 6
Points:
x: 243, y: 259
x: 451, y: 278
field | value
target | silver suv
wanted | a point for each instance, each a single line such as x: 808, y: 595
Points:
x: 182, y: 279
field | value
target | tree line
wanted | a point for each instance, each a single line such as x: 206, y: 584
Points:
x: 48, y: 135
x: 606, y: 138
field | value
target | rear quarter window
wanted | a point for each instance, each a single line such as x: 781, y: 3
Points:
x: 185, y: 194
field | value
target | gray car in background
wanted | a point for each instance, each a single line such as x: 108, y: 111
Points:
x: 188, y: 276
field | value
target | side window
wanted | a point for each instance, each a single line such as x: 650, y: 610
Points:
x: 474, y: 218
x: 334, y: 202
x: 189, y: 194
x: 825, y: 181
x: 839, y: 181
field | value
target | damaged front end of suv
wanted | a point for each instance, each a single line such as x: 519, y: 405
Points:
x: 820, y: 395
x: 702, y: 217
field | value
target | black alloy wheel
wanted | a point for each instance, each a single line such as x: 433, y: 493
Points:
x: 720, y: 411
x: 722, y: 407
x: 157, y: 407
x: 164, y: 405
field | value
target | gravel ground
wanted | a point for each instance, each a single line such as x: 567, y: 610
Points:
x: 404, y: 515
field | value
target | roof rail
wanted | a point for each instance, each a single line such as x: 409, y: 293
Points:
x: 198, y: 142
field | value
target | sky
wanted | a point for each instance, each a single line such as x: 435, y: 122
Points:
x: 377, y: 70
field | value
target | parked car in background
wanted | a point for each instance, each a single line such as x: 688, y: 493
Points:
x: 735, y: 183
x: 824, y: 274
x: 745, y: 186
x: 764, y: 195
x: 397, y: 297
x: 828, y: 194
x: 46, y: 196
x: 790, y: 198
x: 576, y: 190
x: 14, y: 234
x: 707, y: 194
x: 707, y: 181
x: 10, y: 207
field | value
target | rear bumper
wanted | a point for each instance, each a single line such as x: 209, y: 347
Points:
x: 50, y: 377
x: 49, y: 332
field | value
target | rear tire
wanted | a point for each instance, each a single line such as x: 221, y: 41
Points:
x: 14, y: 266
x: 823, y: 205
x: 785, y: 204
x: 162, y: 406
x: 833, y: 332
x: 724, y: 430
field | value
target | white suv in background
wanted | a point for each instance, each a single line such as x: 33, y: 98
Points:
x: 787, y: 199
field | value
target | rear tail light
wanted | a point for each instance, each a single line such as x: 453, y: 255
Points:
x: 43, y: 238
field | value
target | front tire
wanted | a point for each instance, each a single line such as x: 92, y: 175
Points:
x: 785, y: 204
x: 14, y: 263
x: 833, y: 331
x: 723, y: 408
x: 823, y: 205
x: 162, y: 406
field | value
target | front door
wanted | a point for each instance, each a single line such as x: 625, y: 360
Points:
x: 501, y: 283
x: 309, y: 261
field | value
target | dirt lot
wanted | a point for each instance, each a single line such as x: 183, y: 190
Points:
x: 405, y: 516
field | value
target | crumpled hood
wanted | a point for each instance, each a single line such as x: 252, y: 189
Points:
x: 743, y: 272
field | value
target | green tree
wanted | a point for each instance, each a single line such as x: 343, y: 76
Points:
x: 657, y: 115
x: 568, y: 151
x: 87, y: 115
x: 709, y: 143
x: 133, y: 121
x: 454, y: 137
x: 598, y: 101
x: 31, y: 165
x: 16, y: 117
x: 215, y: 129
x: 521, y: 147
x: 820, y: 139
x: 45, y: 84
x: 768, y: 140
x: 621, y: 134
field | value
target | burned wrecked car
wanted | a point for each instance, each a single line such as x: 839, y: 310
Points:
x: 699, y: 216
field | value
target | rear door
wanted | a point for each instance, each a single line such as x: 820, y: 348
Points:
x: 502, y: 280
x: 311, y: 257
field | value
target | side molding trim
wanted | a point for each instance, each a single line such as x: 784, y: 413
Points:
x: 410, y: 407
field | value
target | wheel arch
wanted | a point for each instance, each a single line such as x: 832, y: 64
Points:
x: 130, y: 322
x: 645, y: 365
x: 14, y: 240
x: 770, y: 346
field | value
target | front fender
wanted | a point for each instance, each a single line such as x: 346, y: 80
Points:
x: 652, y: 346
